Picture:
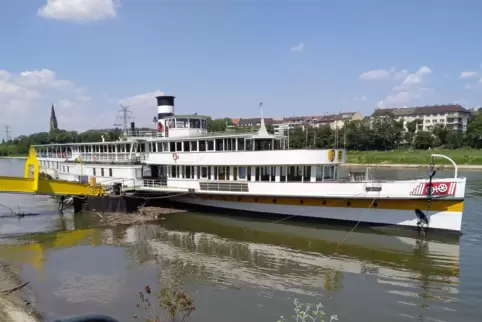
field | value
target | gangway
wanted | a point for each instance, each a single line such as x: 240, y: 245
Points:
x: 31, y: 183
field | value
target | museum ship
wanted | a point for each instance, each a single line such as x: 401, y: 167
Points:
x: 253, y: 172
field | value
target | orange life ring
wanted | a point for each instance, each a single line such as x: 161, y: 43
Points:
x: 175, y: 156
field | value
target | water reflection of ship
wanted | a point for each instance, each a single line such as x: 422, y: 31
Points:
x: 31, y: 248
x: 296, y: 259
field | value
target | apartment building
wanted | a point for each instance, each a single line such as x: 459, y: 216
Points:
x: 453, y: 116
x: 282, y: 125
x: 333, y: 120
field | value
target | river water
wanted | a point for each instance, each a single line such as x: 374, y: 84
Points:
x: 239, y: 269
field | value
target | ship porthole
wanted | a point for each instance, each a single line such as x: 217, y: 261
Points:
x: 301, y: 201
x: 255, y: 199
x: 323, y: 202
x: 239, y: 198
x: 348, y: 203
x: 375, y: 204
x: 274, y: 200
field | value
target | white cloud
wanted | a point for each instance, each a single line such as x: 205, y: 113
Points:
x: 411, y: 88
x: 142, y: 100
x: 376, y: 74
x: 8, y: 88
x: 467, y: 75
x: 360, y: 98
x: 383, y: 74
x: 298, y: 48
x: 401, y: 98
x: 79, y: 10
x: 413, y: 80
x: 4, y: 75
x: 143, y: 106
x: 25, y: 98
x: 40, y: 78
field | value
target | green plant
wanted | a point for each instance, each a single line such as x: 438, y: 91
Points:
x: 304, y: 314
x: 176, y: 304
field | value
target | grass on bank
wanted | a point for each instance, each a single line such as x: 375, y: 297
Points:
x: 460, y: 156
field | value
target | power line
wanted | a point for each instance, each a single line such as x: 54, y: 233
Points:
x: 124, y: 118
x: 8, y: 131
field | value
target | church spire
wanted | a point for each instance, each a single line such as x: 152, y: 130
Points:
x: 53, y: 119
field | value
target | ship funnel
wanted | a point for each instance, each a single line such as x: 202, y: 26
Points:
x: 165, y: 109
x: 165, y: 106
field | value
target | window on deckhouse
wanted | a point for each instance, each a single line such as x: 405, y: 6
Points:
x: 263, y: 144
x: 202, y: 146
x: 240, y: 144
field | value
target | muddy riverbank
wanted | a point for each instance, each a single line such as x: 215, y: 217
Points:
x: 16, y: 297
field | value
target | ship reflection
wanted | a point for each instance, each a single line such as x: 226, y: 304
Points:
x: 285, y: 257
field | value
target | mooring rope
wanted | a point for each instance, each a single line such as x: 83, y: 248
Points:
x: 356, y: 225
x: 13, y: 212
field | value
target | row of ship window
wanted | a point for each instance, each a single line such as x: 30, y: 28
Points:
x: 229, y: 144
x: 251, y: 173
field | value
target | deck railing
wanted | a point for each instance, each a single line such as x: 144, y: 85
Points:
x: 154, y: 183
x: 101, y: 157
x: 224, y: 186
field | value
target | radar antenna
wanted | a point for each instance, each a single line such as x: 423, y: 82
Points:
x: 123, y: 118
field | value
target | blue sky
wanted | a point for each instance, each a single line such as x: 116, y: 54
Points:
x: 222, y: 58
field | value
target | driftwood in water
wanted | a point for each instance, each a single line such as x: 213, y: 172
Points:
x: 13, y: 289
x: 144, y: 214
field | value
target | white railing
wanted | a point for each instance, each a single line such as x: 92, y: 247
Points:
x: 144, y: 133
x: 154, y: 183
x: 142, y: 157
x: 53, y: 155
x: 110, y: 182
x: 102, y: 157
x: 105, y: 157
x: 448, y: 159
x: 224, y: 186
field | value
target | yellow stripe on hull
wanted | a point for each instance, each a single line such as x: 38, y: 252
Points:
x: 392, y: 204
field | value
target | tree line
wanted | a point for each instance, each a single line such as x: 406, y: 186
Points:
x: 383, y: 133
x: 21, y: 144
x: 387, y: 133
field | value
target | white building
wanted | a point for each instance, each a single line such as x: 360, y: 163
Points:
x: 452, y: 116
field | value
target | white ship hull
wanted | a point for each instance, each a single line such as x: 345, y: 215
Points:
x: 448, y: 221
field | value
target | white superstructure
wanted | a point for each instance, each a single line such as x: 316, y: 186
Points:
x: 254, y: 172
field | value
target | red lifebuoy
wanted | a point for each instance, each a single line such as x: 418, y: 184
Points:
x: 159, y: 127
x: 175, y: 156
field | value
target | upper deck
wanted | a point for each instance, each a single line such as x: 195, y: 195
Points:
x: 184, y: 139
x: 211, y: 148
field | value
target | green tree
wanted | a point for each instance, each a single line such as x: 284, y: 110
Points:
x: 218, y: 125
x: 440, y: 132
x: 386, y: 133
x: 411, y: 129
x: 474, y: 132
x: 423, y: 140
x: 454, y: 140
